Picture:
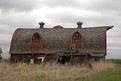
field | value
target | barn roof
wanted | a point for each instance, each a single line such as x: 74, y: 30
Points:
x: 54, y: 39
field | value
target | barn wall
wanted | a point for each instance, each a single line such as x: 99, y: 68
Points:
x: 24, y: 58
x: 94, y: 41
x: 52, y: 58
x: 20, y: 58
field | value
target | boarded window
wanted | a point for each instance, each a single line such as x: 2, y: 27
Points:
x: 76, y: 41
x: 36, y: 43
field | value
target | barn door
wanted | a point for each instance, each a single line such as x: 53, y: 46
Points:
x: 36, y: 43
x: 76, y: 41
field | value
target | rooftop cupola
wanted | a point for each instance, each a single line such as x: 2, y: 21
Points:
x: 79, y: 24
x: 41, y: 24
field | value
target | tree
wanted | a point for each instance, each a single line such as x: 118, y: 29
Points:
x: 0, y: 53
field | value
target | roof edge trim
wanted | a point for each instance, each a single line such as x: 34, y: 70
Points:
x: 109, y: 27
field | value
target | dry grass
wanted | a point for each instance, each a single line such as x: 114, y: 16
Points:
x: 48, y: 72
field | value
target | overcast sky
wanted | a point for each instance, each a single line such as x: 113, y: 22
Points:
x: 28, y: 13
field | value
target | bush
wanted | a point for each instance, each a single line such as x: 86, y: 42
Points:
x: 0, y: 53
x: 116, y: 61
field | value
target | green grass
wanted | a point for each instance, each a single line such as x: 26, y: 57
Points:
x: 112, y: 74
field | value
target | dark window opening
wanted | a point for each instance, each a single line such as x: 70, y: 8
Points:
x: 64, y: 59
x: 76, y: 35
x: 16, y: 61
x: 36, y: 36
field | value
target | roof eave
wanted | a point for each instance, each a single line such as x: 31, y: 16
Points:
x: 109, y: 27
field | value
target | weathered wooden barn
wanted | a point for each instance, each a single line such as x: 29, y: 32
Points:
x: 58, y: 44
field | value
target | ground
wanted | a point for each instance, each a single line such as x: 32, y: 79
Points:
x: 108, y: 71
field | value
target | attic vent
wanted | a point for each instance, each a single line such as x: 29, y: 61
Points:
x: 58, y: 26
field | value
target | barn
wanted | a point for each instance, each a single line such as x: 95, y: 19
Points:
x: 58, y: 44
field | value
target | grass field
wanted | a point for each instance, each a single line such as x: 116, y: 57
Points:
x: 108, y: 71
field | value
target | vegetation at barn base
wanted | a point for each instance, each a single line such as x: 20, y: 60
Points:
x: 101, y: 71
x: 71, y: 51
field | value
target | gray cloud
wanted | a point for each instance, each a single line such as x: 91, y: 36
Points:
x: 83, y: 4
x: 30, y: 4
x: 18, y: 4
x: 113, y: 54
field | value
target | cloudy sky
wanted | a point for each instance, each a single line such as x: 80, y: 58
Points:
x: 27, y: 13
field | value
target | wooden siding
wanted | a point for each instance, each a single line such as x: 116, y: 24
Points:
x: 75, y: 58
x: 36, y: 46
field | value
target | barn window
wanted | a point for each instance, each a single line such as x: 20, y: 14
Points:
x: 76, y: 35
x: 36, y: 36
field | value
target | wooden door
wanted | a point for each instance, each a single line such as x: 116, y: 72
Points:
x: 36, y: 43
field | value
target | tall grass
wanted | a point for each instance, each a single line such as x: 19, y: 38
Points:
x: 48, y: 72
